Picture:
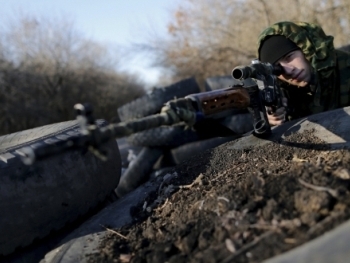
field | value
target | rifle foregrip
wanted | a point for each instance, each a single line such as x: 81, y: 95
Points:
x: 220, y: 100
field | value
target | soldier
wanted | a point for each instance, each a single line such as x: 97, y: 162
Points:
x: 316, y: 76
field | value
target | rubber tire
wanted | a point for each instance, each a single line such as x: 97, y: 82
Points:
x: 184, y: 152
x: 139, y: 171
x: 49, y: 194
x: 219, y: 82
x: 153, y: 102
x: 165, y: 136
x: 125, y: 150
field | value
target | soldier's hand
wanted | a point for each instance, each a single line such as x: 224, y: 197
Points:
x: 278, y: 116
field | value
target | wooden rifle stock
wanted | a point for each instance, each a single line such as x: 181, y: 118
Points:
x: 216, y: 101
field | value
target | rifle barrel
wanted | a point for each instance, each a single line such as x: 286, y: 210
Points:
x: 95, y: 136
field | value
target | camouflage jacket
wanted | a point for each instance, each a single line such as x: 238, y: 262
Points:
x: 331, y: 88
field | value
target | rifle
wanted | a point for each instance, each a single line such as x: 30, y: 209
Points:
x: 256, y: 88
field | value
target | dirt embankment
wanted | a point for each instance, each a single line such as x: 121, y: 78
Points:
x: 228, y: 205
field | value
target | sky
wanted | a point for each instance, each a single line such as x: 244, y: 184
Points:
x: 112, y: 22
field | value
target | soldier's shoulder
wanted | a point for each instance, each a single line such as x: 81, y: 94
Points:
x: 343, y: 58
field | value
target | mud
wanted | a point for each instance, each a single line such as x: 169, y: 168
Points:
x: 227, y: 205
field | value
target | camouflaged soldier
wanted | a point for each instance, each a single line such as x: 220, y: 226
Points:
x: 316, y: 78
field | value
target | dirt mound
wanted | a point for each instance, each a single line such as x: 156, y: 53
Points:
x: 228, y: 205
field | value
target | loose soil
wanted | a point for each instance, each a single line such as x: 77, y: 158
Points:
x: 227, y: 205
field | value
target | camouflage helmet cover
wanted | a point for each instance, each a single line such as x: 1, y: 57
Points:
x: 310, y: 38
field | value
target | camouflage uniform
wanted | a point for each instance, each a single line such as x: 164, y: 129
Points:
x: 331, y: 69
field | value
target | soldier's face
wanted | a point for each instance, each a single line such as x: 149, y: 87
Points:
x: 297, y: 70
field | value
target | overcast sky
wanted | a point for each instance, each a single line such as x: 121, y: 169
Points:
x: 119, y: 22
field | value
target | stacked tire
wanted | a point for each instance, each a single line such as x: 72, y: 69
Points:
x: 51, y: 193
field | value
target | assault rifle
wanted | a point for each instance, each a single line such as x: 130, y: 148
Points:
x: 256, y: 88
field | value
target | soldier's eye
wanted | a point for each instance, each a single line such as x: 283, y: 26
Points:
x: 289, y: 56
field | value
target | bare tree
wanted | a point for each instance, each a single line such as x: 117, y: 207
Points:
x: 46, y: 66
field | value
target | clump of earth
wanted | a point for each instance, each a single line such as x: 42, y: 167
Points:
x: 227, y: 205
